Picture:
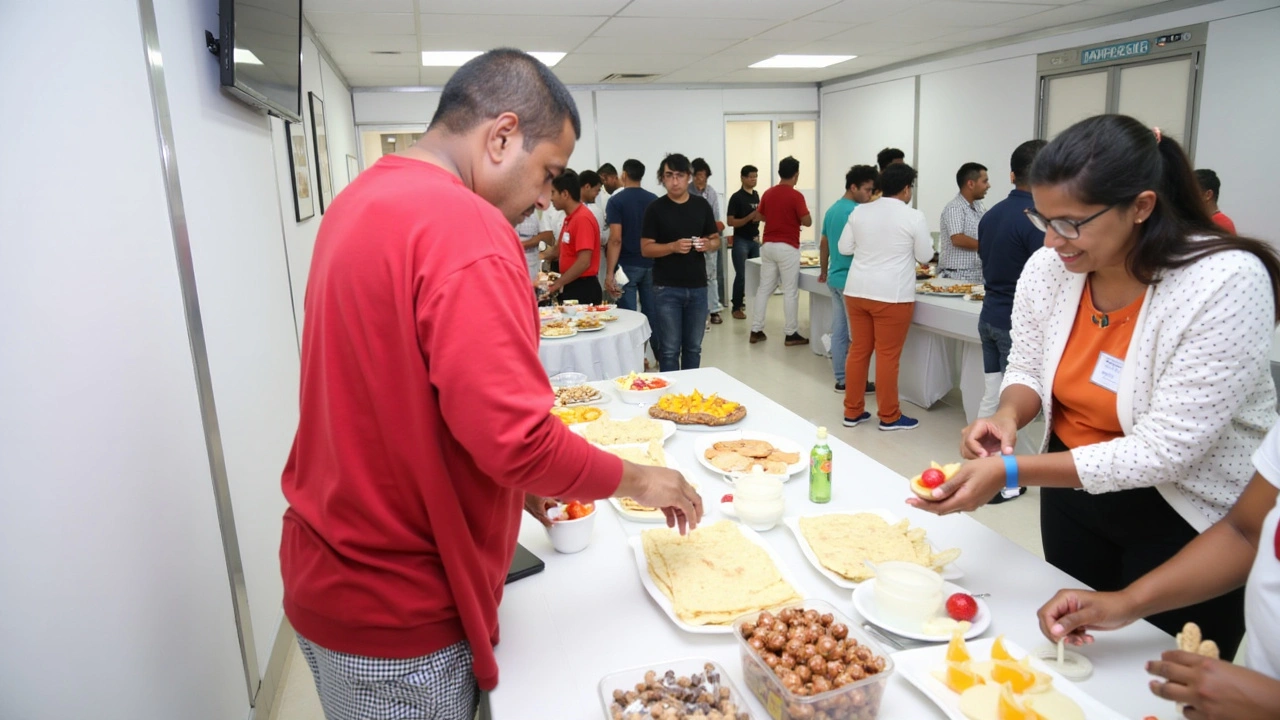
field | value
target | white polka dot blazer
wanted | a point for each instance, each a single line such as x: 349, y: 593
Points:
x: 1196, y: 395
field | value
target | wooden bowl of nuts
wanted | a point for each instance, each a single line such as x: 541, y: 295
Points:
x: 811, y: 661
x: 672, y: 690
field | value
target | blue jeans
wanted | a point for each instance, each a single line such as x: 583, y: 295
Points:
x: 742, y: 250
x: 640, y: 287
x: 839, y: 333
x: 995, y: 347
x: 682, y: 320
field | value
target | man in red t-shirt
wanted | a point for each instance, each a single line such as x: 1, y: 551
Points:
x: 423, y: 426
x: 784, y: 211
x: 579, y: 243
x: 1210, y: 185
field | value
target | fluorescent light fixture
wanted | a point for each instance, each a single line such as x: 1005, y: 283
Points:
x: 456, y: 58
x: 243, y: 56
x: 802, y: 61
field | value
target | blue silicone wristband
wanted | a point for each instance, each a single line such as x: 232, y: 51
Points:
x: 1010, y: 472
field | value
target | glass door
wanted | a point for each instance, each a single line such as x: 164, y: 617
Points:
x: 762, y: 142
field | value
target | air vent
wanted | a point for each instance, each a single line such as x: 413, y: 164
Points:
x: 385, y: 52
x: 628, y: 77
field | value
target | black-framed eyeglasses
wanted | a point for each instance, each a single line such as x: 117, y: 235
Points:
x: 1069, y: 229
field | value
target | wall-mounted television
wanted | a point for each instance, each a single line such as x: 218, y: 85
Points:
x: 260, y: 54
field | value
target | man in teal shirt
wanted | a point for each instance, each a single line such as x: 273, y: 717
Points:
x: 859, y: 186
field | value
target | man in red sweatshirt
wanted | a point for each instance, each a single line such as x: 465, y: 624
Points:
x: 424, y: 427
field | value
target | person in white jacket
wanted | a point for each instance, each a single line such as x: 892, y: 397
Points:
x: 1142, y: 332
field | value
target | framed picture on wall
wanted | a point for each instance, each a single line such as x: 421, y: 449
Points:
x: 323, y: 177
x: 353, y: 168
x: 304, y: 204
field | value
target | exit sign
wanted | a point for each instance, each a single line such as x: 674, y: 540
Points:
x: 1117, y: 51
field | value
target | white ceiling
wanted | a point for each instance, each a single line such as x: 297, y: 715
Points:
x: 683, y: 41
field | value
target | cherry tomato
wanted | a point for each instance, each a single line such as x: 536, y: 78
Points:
x: 932, y: 478
x: 727, y: 498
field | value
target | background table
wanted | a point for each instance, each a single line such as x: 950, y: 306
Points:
x: 941, y: 346
x: 616, y: 350
x: 587, y: 614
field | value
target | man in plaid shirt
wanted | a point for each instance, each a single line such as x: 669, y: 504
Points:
x: 958, y: 240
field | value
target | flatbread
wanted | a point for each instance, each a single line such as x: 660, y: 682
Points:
x: 638, y: 429
x: 843, y: 542
x: 714, y: 574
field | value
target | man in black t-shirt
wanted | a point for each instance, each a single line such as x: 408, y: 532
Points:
x: 745, y: 243
x: 678, y: 228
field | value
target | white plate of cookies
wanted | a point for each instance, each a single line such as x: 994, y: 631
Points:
x: 733, y: 454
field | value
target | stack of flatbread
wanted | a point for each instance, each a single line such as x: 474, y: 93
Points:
x: 735, y: 456
x: 843, y: 542
x: 714, y: 574
x: 638, y: 429
x: 651, y: 454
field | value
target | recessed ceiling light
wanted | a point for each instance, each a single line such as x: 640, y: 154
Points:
x: 802, y: 61
x: 244, y: 56
x: 456, y: 58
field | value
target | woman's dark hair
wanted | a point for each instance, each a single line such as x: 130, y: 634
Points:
x: 896, y: 178
x: 1110, y: 160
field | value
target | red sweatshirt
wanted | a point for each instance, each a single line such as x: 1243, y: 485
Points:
x: 423, y: 422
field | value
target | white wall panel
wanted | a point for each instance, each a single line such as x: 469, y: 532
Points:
x: 225, y: 157
x: 584, y: 153
x: 377, y: 107
x: 772, y: 100
x: 114, y: 602
x: 973, y: 114
x: 1238, y: 110
x: 857, y: 124
x: 649, y: 124
x: 340, y: 124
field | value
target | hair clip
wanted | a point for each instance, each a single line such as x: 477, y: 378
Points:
x: 1159, y: 136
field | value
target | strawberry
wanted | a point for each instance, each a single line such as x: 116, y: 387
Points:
x: 932, y: 478
x: 962, y: 607
x: 727, y: 498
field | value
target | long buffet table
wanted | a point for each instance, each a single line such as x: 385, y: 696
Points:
x: 587, y: 614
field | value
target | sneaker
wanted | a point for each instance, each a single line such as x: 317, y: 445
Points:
x: 796, y: 339
x: 854, y: 422
x: 715, y: 319
x: 1000, y: 497
x: 871, y: 388
x: 757, y: 337
x: 902, y: 423
x: 840, y: 387
x: 739, y: 314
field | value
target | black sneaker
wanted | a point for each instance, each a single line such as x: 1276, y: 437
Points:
x: 854, y: 422
x: 871, y: 388
x: 796, y: 339
x: 1000, y: 498
x: 840, y: 387
x: 757, y: 337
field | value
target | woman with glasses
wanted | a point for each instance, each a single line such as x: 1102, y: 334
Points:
x: 1142, y: 332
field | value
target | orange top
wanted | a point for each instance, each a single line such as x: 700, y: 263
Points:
x: 1084, y: 412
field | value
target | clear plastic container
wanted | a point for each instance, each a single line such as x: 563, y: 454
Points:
x: 627, y: 680
x: 860, y: 699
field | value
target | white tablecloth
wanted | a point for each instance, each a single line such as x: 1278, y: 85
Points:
x: 944, y: 334
x: 819, y: 301
x: 616, y: 350
x: 587, y: 614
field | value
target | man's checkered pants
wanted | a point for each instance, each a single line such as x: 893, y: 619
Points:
x: 439, y: 686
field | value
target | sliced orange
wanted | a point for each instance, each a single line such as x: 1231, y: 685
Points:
x: 1018, y: 677
x: 1009, y: 707
x: 961, y: 678
x: 956, y: 650
x: 998, y: 651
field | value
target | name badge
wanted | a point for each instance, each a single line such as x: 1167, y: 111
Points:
x: 1106, y: 374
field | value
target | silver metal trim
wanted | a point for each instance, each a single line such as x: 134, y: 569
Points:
x: 915, y: 144
x: 199, y: 351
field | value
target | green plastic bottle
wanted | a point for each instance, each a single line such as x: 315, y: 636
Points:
x: 820, y: 470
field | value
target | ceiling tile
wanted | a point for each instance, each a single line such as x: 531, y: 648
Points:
x: 723, y: 9
x: 693, y: 74
x: 983, y: 34
x: 860, y: 12
x: 358, y: 61
x: 435, y: 75
x: 888, y: 31
x: 844, y: 47
x: 631, y: 47
x: 336, y: 23
x: 963, y: 14
x: 365, y: 44
x: 558, y: 8
x: 663, y: 30
x: 360, y: 6
x: 627, y: 63
x: 804, y: 30
x: 761, y: 49
x: 508, y: 24
x: 488, y: 41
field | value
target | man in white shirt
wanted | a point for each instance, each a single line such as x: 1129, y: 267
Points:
x: 700, y: 187
x: 958, y: 240
x: 886, y: 239
x: 549, y: 223
x: 527, y: 231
